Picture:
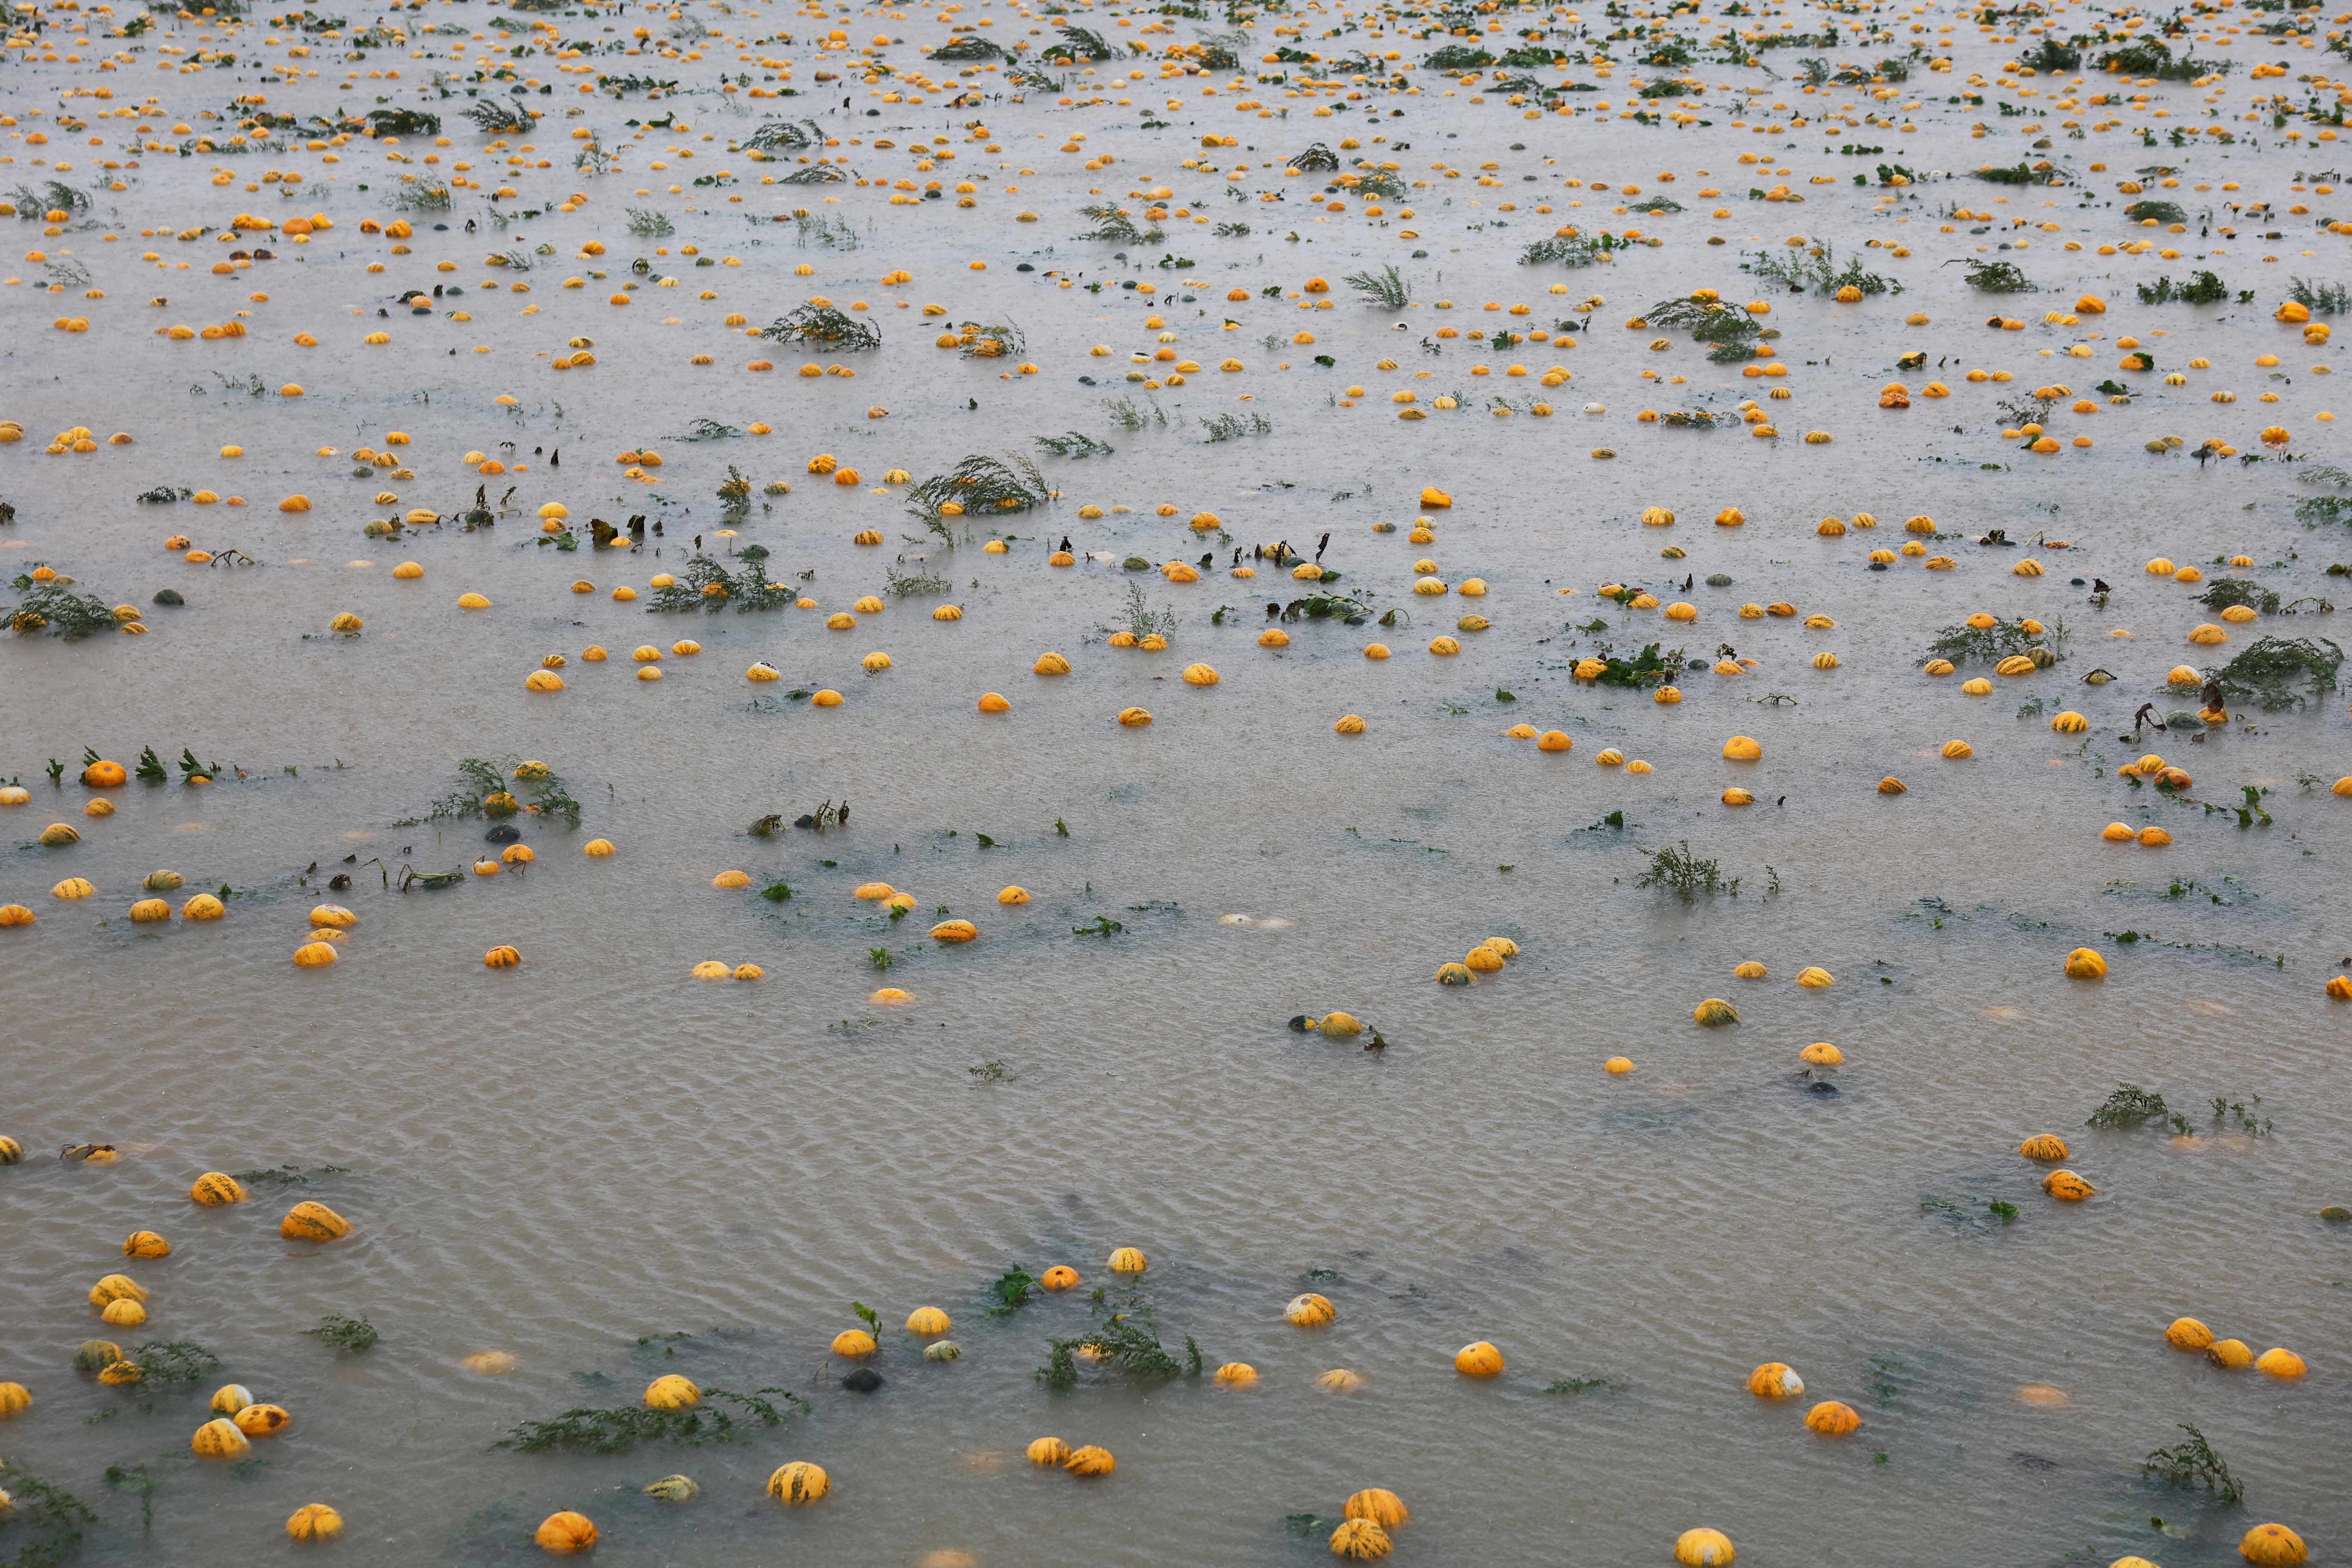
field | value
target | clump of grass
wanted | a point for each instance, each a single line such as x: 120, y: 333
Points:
x: 816, y: 175
x: 1458, y: 57
x: 2161, y: 211
x: 1113, y: 227
x: 499, y: 117
x: 1656, y: 206
x: 1731, y: 333
x: 1685, y: 875
x: 1997, y: 277
x: 2018, y: 173
x: 2130, y: 1106
x: 710, y: 430
x: 1815, y: 266
x: 59, y: 611
x: 1317, y: 159
x: 2051, y: 57
x: 823, y: 324
x: 793, y: 135
x: 352, y: 1334
x: 1073, y: 444
x: 589, y: 1430
x: 647, y: 224
x: 2194, y: 1463
x: 982, y: 484
x: 1385, y: 288
x: 2282, y: 672
x: 1031, y: 78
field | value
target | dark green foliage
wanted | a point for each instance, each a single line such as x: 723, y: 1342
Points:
x: 587, y: 1430
x: 1645, y: 668
x: 1458, y: 57
x: 1997, y: 277
x: 60, y: 610
x: 1011, y: 1291
x: 993, y: 341
x: 970, y: 47
x: 1576, y: 1384
x: 816, y: 175
x: 151, y: 769
x: 2018, y: 173
x: 1991, y: 644
x: 1126, y: 1344
x: 1730, y: 333
x: 1073, y: 444
x: 748, y: 590
x: 983, y: 486
x: 824, y: 326
x: 2051, y: 57
x: 1113, y: 227
x: 1685, y: 875
x: 2282, y: 672
x: 1079, y: 44
x: 2320, y: 299
x: 174, y: 1361
x: 403, y: 122
x: 352, y: 1334
x: 791, y: 135
x: 1815, y: 266
x: 2148, y: 56
x: 710, y: 430
x: 2130, y: 1106
x: 287, y: 1175
x: 2226, y: 591
x: 775, y: 893
x: 2194, y: 1463
x: 499, y: 117
x: 2202, y: 288
x: 136, y: 1481
x: 1385, y: 288
x: 1656, y: 206
x: 487, y: 776
x: 50, y: 1518
x: 1575, y: 250
x: 903, y: 583
x: 1317, y: 160
x: 2161, y: 211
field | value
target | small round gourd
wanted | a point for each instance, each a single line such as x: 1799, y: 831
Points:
x: 565, y: 1534
x: 310, y: 1221
x: 219, y: 1439
x: 799, y: 1483
x: 1090, y: 1460
x: 671, y: 1392
x: 314, y: 1521
x: 1360, y: 1540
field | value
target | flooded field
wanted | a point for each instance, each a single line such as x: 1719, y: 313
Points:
x: 1628, y: 646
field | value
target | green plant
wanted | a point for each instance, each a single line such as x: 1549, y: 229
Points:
x: 1572, y: 250
x: 1126, y: 1344
x: 1079, y: 44
x: 1113, y: 227
x: 2202, y: 288
x: 1457, y: 57
x: 616, y: 1431
x: 2148, y: 57
x: 1012, y: 1290
x: 1074, y: 444
x: 2194, y: 1463
x: 2161, y: 211
x: 52, y: 1517
x: 487, y: 776
x: 1815, y: 266
x: 901, y: 583
x: 824, y: 325
x: 135, y: 1479
x: 499, y: 117
x: 2049, y: 57
x: 352, y: 1334
x: 1675, y: 869
x: 2130, y: 1106
x: 1648, y: 668
x: 1143, y: 620
x: 403, y: 122
x: 983, y: 485
x: 2228, y: 592
x: 1385, y: 288
x: 1234, y: 426
x: 1001, y: 340
x: 1990, y: 645
x: 2282, y: 672
x: 970, y: 47
x: 2320, y: 299
x: 1576, y: 1384
x: 62, y: 612
x: 1996, y: 278
x: 172, y: 1361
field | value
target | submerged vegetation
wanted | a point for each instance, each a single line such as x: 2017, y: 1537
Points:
x: 589, y: 1430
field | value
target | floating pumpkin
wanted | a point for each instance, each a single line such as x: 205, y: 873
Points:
x: 1832, y: 1419
x: 1703, y: 1548
x: 314, y: 1521
x: 671, y: 1392
x: 1360, y: 1540
x: 309, y: 1221
x: 2044, y: 1147
x: 219, y: 1439
x: 565, y: 1534
x: 1047, y: 1452
x: 1090, y: 1460
x: 2086, y: 963
x: 1060, y: 1277
x: 1128, y: 1260
x: 263, y: 1420
x: 1775, y: 1380
x: 1309, y: 1311
x: 145, y: 1244
x: 851, y: 1343
x: 2273, y: 1545
x: 1479, y: 1359
x: 927, y: 1321
x: 2067, y: 1187
x: 217, y: 1188
x: 1714, y: 1012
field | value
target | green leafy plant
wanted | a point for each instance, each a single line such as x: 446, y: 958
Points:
x: 2161, y: 211
x: 795, y: 136
x: 1075, y: 444
x: 2202, y: 288
x: 1684, y: 874
x: 2282, y: 672
x: 1113, y: 227
x: 2194, y: 1463
x: 1011, y: 1290
x: 1126, y: 1344
x: 587, y: 1430
x: 823, y: 325
x: 2320, y: 299
x: 172, y: 1361
x: 52, y: 1518
x: 983, y: 486
x: 1996, y: 278
x: 2129, y: 1107
x: 55, y: 608
x: 353, y: 1334
x: 1385, y: 288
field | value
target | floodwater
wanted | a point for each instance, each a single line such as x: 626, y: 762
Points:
x: 572, y: 1160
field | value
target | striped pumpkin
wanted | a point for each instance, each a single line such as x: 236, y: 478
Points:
x: 216, y: 1188
x: 309, y: 1221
